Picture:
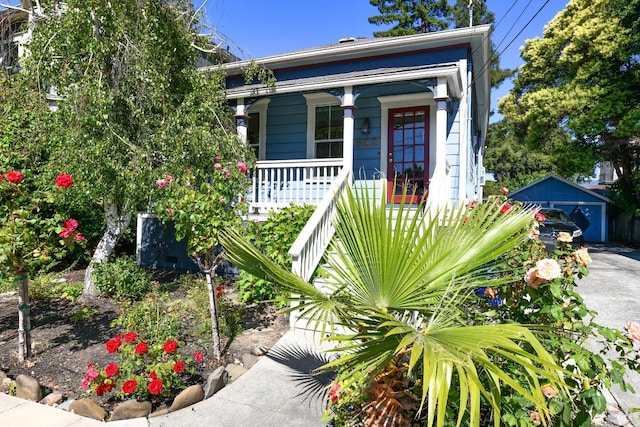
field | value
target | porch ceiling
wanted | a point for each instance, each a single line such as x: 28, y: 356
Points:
x: 356, y: 78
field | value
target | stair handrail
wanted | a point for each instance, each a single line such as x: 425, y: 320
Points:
x: 307, y: 250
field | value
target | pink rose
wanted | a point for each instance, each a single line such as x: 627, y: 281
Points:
x: 217, y: 166
x: 161, y: 183
x: 242, y: 167
x: 504, y: 190
x: 633, y: 328
x: 79, y: 237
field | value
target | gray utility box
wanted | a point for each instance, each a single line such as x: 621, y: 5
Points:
x: 157, y: 247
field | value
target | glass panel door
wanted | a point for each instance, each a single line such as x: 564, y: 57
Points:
x: 408, y: 156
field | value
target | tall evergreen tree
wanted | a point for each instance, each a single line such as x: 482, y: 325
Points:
x: 410, y: 16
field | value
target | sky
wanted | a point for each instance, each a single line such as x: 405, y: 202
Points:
x: 257, y: 28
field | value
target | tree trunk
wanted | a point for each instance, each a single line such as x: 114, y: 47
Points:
x: 117, y: 223
x: 24, y: 319
x: 213, y: 310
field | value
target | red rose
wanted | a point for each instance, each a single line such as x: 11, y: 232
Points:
x: 1, y: 177
x: 155, y: 387
x: 113, y: 345
x: 540, y: 217
x: 141, y: 348
x: 505, y: 208
x: 170, y: 346
x: 104, y: 388
x: 64, y: 180
x: 129, y: 386
x: 178, y: 367
x: 153, y: 375
x: 111, y: 369
x: 130, y: 336
x: 14, y: 177
x: 198, y: 357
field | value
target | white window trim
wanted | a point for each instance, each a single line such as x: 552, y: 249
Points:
x: 261, y: 108
x: 315, y: 100
x: 406, y: 101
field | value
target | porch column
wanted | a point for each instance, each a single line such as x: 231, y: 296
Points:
x: 439, y: 187
x: 242, y: 119
x: 348, y: 105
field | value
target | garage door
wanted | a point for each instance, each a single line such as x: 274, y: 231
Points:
x: 588, y: 218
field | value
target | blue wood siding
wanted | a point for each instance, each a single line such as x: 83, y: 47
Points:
x: 401, y: 60
x: 287, y: 128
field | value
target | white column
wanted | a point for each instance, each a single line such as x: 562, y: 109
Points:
x: 439, y: 190
x: 348, y: 105
x: 242, y: 120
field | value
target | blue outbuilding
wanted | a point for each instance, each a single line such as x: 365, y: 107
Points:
x: 587, y: 208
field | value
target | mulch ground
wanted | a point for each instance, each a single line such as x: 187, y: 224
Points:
x: 63, y: 346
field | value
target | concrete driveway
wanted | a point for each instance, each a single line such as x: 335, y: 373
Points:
x: 612, y: 288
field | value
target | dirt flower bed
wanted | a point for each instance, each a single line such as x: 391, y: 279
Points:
x: 68, y: 336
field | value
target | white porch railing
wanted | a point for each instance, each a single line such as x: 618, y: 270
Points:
x: 276, y: 184
x: 314, y: 239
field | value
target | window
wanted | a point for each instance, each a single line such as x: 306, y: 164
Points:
x: 328, y: 132
x: 253, y: 134
x: 257, y: 128
x: 325, y: 126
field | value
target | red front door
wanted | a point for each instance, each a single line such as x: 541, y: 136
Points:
x: 408, y: 157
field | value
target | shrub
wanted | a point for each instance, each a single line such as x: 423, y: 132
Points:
x: 122, y: 279
x: 196, y: 305
x: 144, y: 369
x: 273, y: 238
x: 153, y: 317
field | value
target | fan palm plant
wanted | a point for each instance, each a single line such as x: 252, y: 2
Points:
x: 401, y: 282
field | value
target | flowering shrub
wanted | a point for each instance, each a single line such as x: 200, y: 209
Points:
x: 32, y: 233
x: 200, y: 206
x: 144, y: 370
x: 544, y: 296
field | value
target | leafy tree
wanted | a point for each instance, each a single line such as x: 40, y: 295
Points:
x: 583, y: 75
x: 515, y: 161
x: 410, y: 16
x: 402, y: 280
x: 133, y: 104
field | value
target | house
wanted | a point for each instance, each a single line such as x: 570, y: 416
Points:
x: 410, y: 110
x: 15, y: 33
x: 587, y: 208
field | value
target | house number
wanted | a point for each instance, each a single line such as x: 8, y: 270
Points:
x: 366, y: 142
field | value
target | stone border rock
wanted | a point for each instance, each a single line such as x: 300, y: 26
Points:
x: 28, y: 388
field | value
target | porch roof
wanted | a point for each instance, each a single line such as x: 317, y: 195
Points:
x: 355, y: 78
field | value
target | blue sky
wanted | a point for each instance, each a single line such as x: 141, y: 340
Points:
x: 259, y: 28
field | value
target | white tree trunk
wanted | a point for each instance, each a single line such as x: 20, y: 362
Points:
x: 24, y: 319
x: 117, y: 223
x: 213, y: 310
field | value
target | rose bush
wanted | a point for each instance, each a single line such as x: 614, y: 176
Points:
x: 32, y: 236
x: 143, y: 370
